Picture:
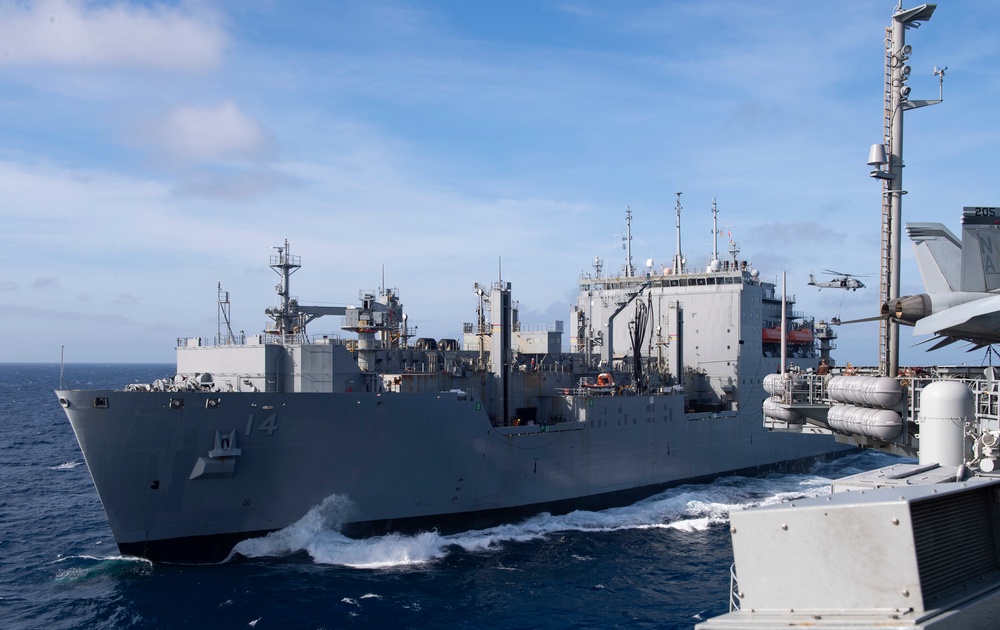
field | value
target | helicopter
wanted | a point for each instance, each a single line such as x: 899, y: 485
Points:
x: 840, y: 281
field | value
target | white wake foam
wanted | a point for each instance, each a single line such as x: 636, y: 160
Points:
x: 80, y: 568
x: 684, y: 508
x: 66, y: 466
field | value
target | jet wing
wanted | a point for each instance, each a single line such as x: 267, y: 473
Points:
x: 977, y: 321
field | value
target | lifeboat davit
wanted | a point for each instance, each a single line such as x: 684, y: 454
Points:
x: 605, y: 382
x: 771, y: 335
x: 801, y: 335
x: 797, y: 336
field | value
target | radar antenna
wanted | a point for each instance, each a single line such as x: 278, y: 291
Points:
x: 678, y: 259
x: 734, y: 250
x: 627, y: 243
x: 715, y: 230
x: 224, y: 316
x: 598, y: 265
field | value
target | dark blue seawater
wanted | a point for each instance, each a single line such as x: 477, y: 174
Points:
x: 661, y: 563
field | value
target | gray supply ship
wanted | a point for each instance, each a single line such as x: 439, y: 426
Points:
x: 663, y: 384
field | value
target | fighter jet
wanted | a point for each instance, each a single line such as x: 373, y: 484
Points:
x: 962, y: 279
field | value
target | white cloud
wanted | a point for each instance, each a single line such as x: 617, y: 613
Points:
x: 45, y: 283
x: 238, y: 185
x: 77, y: 33
x: 220, y: 133
x: 215, y: 152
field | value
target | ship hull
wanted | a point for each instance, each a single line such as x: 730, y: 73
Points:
x: 185, y: 476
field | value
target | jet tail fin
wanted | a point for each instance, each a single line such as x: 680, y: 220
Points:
x: 980, y: 249
x: 939, y: 256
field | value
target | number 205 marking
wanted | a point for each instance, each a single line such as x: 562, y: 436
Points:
x: 270, y: 425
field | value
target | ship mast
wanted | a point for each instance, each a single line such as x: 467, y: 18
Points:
x: 598, y: 265
x: 714, y: 265
x: 715, y: 230
x: 678, y: 258
x: 629, y: 268
x: 734, y: 251
x: 890, y: 154
x: 225, y: 307
x: 284, y: 264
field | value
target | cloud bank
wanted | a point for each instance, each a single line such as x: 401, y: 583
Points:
x: 73, y: 33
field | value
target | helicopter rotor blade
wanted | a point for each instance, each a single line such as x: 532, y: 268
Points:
x: 846, y: 275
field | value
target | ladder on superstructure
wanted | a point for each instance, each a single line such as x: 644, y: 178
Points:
x: 885, y: 267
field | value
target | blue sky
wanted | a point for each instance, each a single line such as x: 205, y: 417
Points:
x: 149, y: 151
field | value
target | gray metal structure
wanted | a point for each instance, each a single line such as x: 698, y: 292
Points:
x: 890, y: 155
x: 252, y: 433
x: 913, y: 545
x: 906, y: 556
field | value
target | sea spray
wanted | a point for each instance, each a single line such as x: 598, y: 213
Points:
x: 689, y: 507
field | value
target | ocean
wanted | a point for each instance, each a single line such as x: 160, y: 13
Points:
x: 660, y: 563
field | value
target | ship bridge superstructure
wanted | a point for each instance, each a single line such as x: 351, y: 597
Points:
x: 705, y: 328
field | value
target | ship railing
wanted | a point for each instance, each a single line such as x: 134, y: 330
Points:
x: 734, y: 589
x: 537, y: 328
x: 985, y: 393
x: 242, y: 339
x: 811, y: 389
x: 587, y: 391
x: 204, y: 382
x: 543, y: 365
x: 982, y: 427
x: 231, y: 339
x: 219, y: 342
x: 587, y: 387
x: 808, y: 389
x: 294, y: 339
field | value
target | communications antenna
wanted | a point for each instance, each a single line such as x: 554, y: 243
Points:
x: 678, y: 258
x: 224, y: 316
x: 887, y: 158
